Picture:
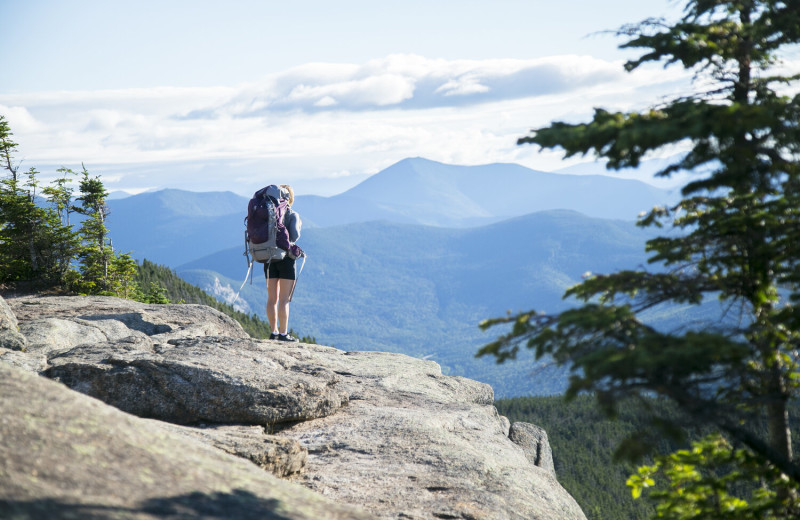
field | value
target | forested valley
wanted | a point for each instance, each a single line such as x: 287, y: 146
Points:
x: 584, y: 443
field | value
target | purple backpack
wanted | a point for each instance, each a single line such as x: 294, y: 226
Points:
x: 266, y: 236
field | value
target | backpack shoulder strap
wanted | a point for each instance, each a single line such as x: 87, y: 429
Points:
x: 281, y: 209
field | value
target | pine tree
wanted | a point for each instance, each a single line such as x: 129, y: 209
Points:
x: 7, y: 148
x: 13, y: 263
x: 65, y: 244
x: 96, y: 253
x: 102, y: 270
x: 36, y: 246
x: 738, y: 241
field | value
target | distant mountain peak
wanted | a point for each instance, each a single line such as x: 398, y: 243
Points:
x: 436, y: 193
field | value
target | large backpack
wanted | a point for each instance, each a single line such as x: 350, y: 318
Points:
x: 265, y: 231
x: 266, y: 236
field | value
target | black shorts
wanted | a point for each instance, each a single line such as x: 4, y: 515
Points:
x: 281, y: 269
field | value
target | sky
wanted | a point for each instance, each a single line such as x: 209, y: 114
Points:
x: 212, y: 96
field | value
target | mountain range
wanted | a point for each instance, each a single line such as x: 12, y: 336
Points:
x: 431, y: 193
x: 172, y: 227
x: 413, y: 258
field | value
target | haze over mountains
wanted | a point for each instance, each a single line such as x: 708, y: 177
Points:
x: 413, y: 258
x: 173, y: 226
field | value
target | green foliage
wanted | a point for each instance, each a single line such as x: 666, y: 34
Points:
x: 153, y: 293
x: 709, y: 480
x: 96, y: 255
x: 36, y: 245
x: 7, y: 148
x: 40, y: 246
x: 160, y: 284
x: 584, y: 442
x: 738, y: 240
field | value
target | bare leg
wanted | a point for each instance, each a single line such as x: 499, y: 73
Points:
x: 272, y: 304
x: 284, y: 291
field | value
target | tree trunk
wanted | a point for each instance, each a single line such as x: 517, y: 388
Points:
x: 780, y: 433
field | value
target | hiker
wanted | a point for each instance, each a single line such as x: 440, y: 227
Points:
x: 281, y: 276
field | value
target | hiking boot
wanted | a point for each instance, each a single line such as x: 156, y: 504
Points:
x: 273, y: 336
x: 287, y: 337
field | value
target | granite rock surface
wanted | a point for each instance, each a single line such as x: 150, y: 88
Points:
x: 385, y: 433
x: 64, y: 455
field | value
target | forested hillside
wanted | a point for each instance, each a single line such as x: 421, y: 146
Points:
x: 583, y: 443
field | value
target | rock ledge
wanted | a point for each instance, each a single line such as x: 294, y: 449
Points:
x: 183, y: 388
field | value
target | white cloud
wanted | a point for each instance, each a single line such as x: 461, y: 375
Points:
x: 381, y: 90
x: 326, y: 101
x: 320, y: 120
x: 462, y: 86
x: 19, y: 119
x: 408, y: 81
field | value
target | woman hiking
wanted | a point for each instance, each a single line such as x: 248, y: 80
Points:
x: 281, y: 274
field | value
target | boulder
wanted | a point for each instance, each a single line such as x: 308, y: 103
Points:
x: 278, y: 455
x: 52, y: 334
x: 10, y: 337
x: 214, y: 379
x: 53, y: 323
x: 64, y: 455
x: 533, y: 441
x: 31, y: 362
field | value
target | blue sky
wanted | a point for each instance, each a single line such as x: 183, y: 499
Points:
x: 205, y: 95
